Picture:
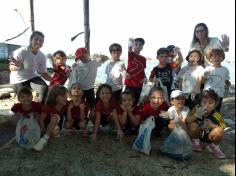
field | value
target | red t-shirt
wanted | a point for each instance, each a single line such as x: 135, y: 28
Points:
x: 135, y: 111
x: 100, y: 107
x: 136, y: 66
x: 35, y: 107
x: 60, y: 76
x: 75, y: 111
x: 147, y: 110
x: 50, y: 110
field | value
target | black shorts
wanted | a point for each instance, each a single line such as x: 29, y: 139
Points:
x: 89, y: 96
x: 205, y: 136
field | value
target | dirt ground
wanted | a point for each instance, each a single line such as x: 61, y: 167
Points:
x: 73, y: 155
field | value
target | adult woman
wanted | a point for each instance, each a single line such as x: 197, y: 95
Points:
x: 203, y: 42
x: 28, y: 64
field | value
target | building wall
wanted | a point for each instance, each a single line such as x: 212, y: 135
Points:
x: 7, y: 49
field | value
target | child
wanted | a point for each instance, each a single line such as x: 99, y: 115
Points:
x: 77, y: 110
x: 175, y: 58
x: 216, y: 76
x: 26, y: 108
x: 105, y: 111
x: 115, y: 70
x: 62, y: 71
x: 206, y: 123
x: 135, y: 70
x: 163, y: 71
x: 84, y: 72
x: 129, y: 114
x: 177, y: 113
x: 154, y: 107
x: 52, y: 115
x: 190, y: 76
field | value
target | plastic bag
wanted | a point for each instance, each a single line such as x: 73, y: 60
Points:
x: 142, y: 142
x: 144, y: 94
x: 27, y: 132
x: 177, y: 145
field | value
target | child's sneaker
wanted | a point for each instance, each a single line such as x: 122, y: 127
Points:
x: 215, y: 149
x: 40, y: 144
x: 196, y: 145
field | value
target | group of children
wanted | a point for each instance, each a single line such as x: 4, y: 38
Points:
x: 195, y: 95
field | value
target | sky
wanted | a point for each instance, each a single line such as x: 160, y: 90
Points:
x: 159, y: 22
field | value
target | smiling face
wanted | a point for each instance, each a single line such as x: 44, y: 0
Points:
x: 200, y: 33
x: 25, y: 99
x: 59, y: 59
x: 127, y: 100
x: 105, y: 95
x: 37, y: 42
x: 156, y: 99
x: 194, y: 58
x: 216, y: 60
x: 178, y: 102
x: 138, y: 46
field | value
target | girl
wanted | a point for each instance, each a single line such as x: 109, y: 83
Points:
x: 206, y: 123
x: 105, y: 111
x: 115, y: 70
x: 129, y: 114
x: 190, y: 76
x: 77, y: 110
x: 154, y: 107
x: 52, y: 115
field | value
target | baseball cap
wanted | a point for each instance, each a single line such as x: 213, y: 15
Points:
x: 80, y: 52
x: 177, y: 93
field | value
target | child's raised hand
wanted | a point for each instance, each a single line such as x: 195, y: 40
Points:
x: 81, y: 106
x: 164, y: 114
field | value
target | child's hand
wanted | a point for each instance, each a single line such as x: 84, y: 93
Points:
x: 14, y: 61
x: 81, y: 106
x: 164, y: 114
x: 124, y: 108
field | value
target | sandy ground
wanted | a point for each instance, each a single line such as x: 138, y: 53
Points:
x: 73, y: 155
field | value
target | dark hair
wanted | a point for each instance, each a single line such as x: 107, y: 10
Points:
x: 155, y: 89
x: 218, y: 52
x: 196, y: 51
x: 72, y: 86
x: 162, y: 51
x: 54, y: 92
x: 36, y: 33
x: 210, y: 94
x: 170, y: 47
x: 100, y: 89
x: 23, y: 90
x: 128, y: 92
x: 195, y: 39
x: 115, y: 46
x: 60, y: 52
x: 140, y: 40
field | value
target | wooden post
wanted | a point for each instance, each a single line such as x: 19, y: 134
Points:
x: 32, y: 15
x: 86, y: 26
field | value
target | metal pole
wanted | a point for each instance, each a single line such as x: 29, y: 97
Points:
x: 32, y: 15
x: 86, y: 26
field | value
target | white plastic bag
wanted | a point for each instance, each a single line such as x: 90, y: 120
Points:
x: 177, y: 145
x: 27, y: 132
x: 144, y: 94
x: 142, y: 142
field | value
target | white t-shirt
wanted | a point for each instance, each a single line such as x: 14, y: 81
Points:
x: 85, y: 74
x: 173, y: 115
x: 214, y: 43
x: 114, y: 74
x: 31, y: 65
x: 216, y: 79
x: 190, y: 75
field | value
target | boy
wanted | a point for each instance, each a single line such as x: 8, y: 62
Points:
x: 206, y: 124
x: 175, y: 58
x: 62, y: 71
x: 135, y: 70
x: 216, y: 76
x: 26, y: 113
x: 84, y: 72
x: 163, y: 71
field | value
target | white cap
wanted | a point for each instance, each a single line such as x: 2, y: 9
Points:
x: 177, y: 93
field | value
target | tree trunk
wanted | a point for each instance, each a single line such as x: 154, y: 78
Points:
x: 32, y: 15
x: 86, y: 26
